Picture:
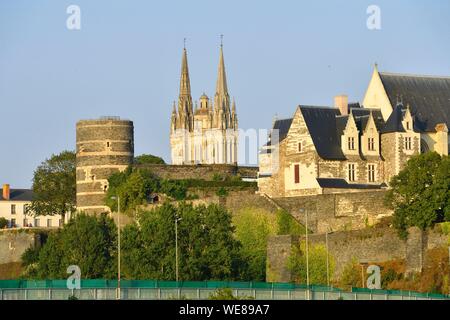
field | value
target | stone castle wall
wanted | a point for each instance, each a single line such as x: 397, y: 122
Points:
x: 337, y: 212
x: 205, y: 172
x: 13, y: 244
x: 373, y: 245
x: 103, y: 147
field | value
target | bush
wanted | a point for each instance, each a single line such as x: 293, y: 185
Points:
x: 288, y: 225
x: 222, y: 192
x: 351, y: 275
x: 3, y: 223
x: 227, y: 294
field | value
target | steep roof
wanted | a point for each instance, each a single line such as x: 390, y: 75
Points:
x: 428, y: 97
x: 394, y: 122
x: 321, y: 123
x: 18, y: 195
x: 283, y: 126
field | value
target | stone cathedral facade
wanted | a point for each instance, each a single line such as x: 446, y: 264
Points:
x: 206, y: 133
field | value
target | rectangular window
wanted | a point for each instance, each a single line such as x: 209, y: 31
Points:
x: 371, y: 172
x: 13, y: 209
x: 49, y: 223
x: 408, y: 144
x: 371, y: 144
x: 297, y: 173
x: 25, y: 209
x: 13, y: 223
x: 351, y: 172
x: 25, y: 223
x: 37, y: 222
x: 351, y: 143
x: 299, y: 147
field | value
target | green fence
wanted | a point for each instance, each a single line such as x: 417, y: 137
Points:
x: 158, y: 290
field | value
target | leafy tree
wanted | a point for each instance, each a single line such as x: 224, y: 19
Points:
x: 253, y: 227
x: 86, y: 241
x: 3, y: 222
x: 207, y: 247
x: 317, y: 260
x: 351, y: 275
x: 133, y: 186
x: 176, y: 189
x: 54, y: 185
x: 148, y: 159
x: 419, y: 194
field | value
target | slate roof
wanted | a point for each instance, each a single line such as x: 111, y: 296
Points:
x: 283, y: 126
x: 427, y: 96
x: 394, y: 122
x: 342, y: 183
x: 18, y: 195
x: 321, y: 123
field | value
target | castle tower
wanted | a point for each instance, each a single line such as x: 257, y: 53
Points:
x: 103, y: 147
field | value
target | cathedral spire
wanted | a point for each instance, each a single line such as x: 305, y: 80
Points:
x: 185, y: 83
x: 221, y: 85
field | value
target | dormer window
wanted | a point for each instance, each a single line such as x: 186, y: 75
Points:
x: 408, y: 126
x: 351, y: 143
x: 371, y: 144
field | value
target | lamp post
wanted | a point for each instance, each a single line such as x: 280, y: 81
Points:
x: 306, y: 251
x: 176, y: 248
x: 118, y: 245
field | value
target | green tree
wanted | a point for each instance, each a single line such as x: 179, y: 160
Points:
x: 86, y: 241
x: 148, y: 159
x: 54, y: 185
x: 253, y: 228
x: 133, y: 186
x: 419, y: 194
x: 3, y: 222
x: 207, y: 247
x: 317, y: 260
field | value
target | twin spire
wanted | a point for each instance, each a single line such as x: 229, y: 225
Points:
x: 221, y: 84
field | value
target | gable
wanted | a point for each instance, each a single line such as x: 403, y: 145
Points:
x: 376, y: 96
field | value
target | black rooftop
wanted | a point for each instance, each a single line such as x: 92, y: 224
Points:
x: 342, y: 183
x: 18, y: 195
x: 427, y: 96
x: 394, y: 122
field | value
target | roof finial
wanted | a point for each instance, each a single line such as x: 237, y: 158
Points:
x: 184, y: 43
x: 221, y: 40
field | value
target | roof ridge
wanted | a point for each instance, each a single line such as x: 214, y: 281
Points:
x: 414, y: 75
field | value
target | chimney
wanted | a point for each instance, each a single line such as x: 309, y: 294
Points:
x: 341, y: 102
x: 441, y: 146
x: 6, y: 192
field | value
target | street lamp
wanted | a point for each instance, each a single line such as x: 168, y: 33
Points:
x: 118, y: 245
x: 176, y: 246
x: 306, y: 250
x: 328, y: 256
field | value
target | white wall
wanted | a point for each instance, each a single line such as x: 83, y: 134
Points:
x: 19, y: 216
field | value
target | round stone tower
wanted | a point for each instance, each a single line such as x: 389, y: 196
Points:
x: 104, y: 146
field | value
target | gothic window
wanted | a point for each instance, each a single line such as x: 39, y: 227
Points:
x: 408, y: 144
x: 371, y: 172
x: 371, y: 144
x: 351, y: 172
x: 351, y: 143
x: 297, y: 173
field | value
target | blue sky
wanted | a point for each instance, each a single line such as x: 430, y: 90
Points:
x: 125, y: 61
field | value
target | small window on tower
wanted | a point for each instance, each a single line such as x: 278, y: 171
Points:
x: 107, y: 144
x: 300, y: 147
x: 296, y: 173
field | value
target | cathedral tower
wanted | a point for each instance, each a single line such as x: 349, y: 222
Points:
x: 207, y: 134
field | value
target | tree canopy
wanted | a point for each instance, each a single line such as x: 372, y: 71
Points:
x: 420, y: 193
x: 148, y: 159
x: 207, y: 247
x: 54, y: 185
x: 86, y: 241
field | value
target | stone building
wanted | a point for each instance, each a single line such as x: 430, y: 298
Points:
x: 206, y: 134
x: 104, y: 146
x: 352, y: 147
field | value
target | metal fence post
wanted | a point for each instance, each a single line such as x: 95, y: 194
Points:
x: 198, y: 294
x: 49, y: 294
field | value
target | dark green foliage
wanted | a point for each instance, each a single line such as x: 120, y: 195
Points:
x: 207, y: 247
x: 54, y: 185
x: 222, y: 192
x: 86, y: 241
x: 174, y: 188
x: 148, y: 159
x: 420, y: 193
x: 3, y: 223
